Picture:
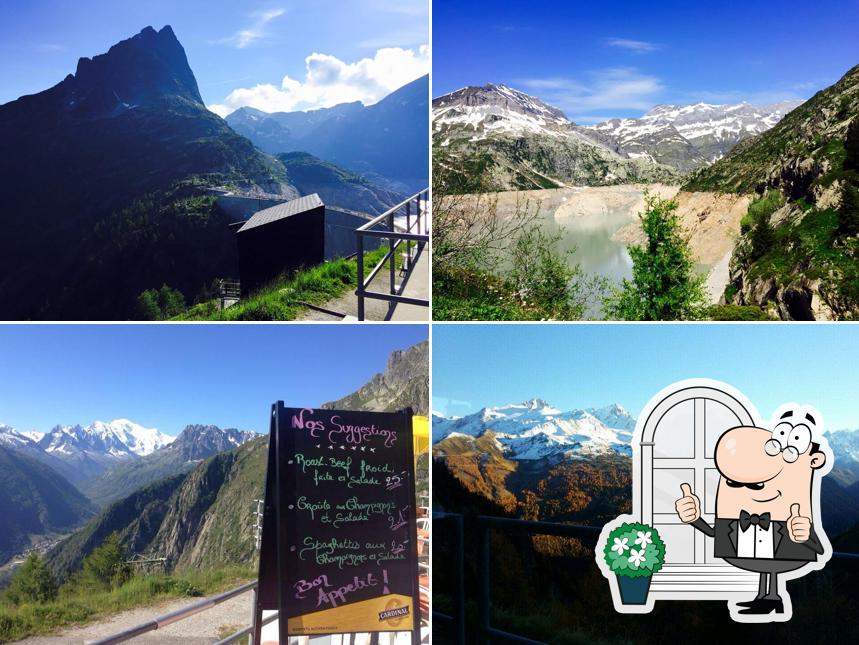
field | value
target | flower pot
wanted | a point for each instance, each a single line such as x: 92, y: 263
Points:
x: 633, y: 591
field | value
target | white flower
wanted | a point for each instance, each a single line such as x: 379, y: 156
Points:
x: 643, y: 539
x: 620, y: 545
x: 637, y: 557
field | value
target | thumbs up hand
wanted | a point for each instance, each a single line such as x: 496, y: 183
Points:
x: 798, y: 527
x: 689, y: 506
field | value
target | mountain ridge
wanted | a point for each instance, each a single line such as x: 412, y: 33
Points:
x: 385, y: 142
x: 125, y: 147
x: 687, y: 137
x: 524, y: 143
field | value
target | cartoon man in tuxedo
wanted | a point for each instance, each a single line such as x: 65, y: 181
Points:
x: 764, y: 503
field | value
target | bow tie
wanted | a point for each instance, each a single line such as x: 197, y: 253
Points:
x: 762, y: 520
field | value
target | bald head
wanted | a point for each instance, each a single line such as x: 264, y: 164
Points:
x: 754, y: 480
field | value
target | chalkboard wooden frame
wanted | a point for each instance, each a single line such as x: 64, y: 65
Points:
x: 280, y: 535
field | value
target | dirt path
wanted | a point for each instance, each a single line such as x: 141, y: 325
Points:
x: 718, y: 278
x: 200, y: 629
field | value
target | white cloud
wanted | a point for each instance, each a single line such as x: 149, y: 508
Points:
x: 254, y: 32
x: 615, y: 88
x: 329, y: 81
x: 635, y: 46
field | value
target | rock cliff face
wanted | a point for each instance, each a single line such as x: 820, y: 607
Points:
x: 404, y: 383
x: 807, y: 268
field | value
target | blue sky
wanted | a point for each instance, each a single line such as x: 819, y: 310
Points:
x: 249, y: 46
x: 167, y: 376
x: 579, y: 366
x: 597, y: 60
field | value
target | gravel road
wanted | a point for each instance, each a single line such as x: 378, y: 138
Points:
x: 197, y: 630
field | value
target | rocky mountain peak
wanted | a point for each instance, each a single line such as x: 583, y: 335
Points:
x: 403, y: 383
x: 198, y: 441
x: 498, y: 102
x: 133, y: 72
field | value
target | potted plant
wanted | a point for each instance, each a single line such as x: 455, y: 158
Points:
x: 634, y: 552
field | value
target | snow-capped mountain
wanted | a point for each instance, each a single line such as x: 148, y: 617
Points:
x: 527, y: 143
x: 536, y: 430
x: 118, y: 438
x: 498, y: 109
x: 690, y: 136
x: 197, y: 441
x: 845, y: 449
x: 12, y: 438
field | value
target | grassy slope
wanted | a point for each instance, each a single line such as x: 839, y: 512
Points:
x: 281, y: 300
x: 77, y: 606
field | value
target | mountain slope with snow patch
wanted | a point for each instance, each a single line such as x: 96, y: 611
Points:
x: 536, y: 430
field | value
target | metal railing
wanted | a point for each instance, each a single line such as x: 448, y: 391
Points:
x: 186, y: 612
x: 588, y: 535
x: 229, y: 290
x: 395, y: 238
x: 195, y: 608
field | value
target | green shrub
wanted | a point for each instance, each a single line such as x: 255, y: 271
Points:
x: 32, y: 582
x: 736, y: 312
x: 664, y: 284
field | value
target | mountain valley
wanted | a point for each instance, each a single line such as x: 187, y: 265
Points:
x: 200, y: 516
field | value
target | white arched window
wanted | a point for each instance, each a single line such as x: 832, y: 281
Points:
x: 676, y: 446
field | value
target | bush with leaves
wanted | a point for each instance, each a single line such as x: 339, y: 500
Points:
x: 543, y: 274
x: 160, y: 304
x: 475, y: 246
x: 32, y: 582
x: 664, y: 284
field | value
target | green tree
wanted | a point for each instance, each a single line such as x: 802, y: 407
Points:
x: 664, y: 285
x: 147, y: 306
x: 171, y: 302
x: 763, y: 236
x: 32, y: 582
x: 106, y: 566
x: 851, y: 146
x: 848, y: 212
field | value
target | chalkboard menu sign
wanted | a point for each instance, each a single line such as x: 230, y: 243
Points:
x: 339, y: 538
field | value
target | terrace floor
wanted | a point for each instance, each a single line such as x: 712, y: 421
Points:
x: 417, y: 286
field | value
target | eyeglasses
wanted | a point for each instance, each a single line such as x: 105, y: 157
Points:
x: 788, y: 453
x: 789, y: 440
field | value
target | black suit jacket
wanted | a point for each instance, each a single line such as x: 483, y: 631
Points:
x: 725, y: 546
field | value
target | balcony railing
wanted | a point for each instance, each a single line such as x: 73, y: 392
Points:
x: 486, y: 633
x: 415, y: 234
